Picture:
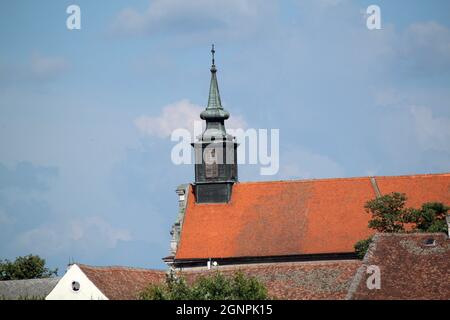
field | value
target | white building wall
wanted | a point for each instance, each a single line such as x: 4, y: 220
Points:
x: 75, y: 278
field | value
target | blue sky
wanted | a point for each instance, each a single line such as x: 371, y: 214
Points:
x: 81, y: 180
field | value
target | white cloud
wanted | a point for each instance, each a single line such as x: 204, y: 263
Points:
x: 389, y: 97
x: 5, y: 219
x: 44, y: 239
x: 46, y: 66
x: 81, y: 230
x: 88, y: 234
x: 329, y: 3
x: 193, y: 16
x: 26, y: 177
x: 181, y: 114
x: 422, y: 49
x: 430, y: 35
x: 425, y: 48
x: 433, y: 132
x: 436, y: 98
x: 37, y: 68
x: 300, y: 163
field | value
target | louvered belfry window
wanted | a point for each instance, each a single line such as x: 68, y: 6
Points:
x: 211, y: 167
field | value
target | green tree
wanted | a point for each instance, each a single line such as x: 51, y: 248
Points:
x: 26, y: 267
x: 174, y: 288
x: 388, y: 212
x: 207, y: 287
x: 362, y: 246
x: 430, y: 217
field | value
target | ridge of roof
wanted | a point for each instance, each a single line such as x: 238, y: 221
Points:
x: 408, y: 234
x: 33, y: 279
x: 420, y: 175
x: 124, y: 268
x: 424, y: 175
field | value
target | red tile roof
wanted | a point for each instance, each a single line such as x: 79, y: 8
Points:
x: 122, y: 283
x: 290, y: 280
x: 298, y: 280
x: 418, y: 188
x: 408, y: 268
x: 295, y: 217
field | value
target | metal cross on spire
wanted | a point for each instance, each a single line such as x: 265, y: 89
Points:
x: 213, y: 52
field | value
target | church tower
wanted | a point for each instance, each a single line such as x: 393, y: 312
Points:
x: 215, y: 150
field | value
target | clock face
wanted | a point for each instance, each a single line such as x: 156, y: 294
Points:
x: 211, y: 167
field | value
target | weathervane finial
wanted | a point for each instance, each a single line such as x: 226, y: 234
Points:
x: 213, y: 51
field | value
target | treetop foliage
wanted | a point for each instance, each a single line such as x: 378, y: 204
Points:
x: 207, y: 287
x: 390, y: 214
x: 26, y: 267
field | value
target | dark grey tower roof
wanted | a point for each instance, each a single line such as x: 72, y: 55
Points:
x: 214, y: 110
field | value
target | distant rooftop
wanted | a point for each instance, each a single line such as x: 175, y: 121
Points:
x: 122, y: 283
x: 27, y: 289
x: 312, y: 280
x: 412, y: 266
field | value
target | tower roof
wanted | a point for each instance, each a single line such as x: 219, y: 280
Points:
x: 214, y: 110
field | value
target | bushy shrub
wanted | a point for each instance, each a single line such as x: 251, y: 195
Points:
x: 207, y: 287
x: 430, y: 217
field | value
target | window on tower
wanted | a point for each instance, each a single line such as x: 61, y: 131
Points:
x: 211, y: 167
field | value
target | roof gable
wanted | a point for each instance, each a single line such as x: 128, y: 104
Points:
x: 76, y: 278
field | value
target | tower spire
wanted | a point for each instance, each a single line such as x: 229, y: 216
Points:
x: 214, y: 110
x: 215, y: 150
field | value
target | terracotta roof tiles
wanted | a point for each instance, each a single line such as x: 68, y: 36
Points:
x: 122, y: 283
x: 409, y: 269
x: 294, y: 217
x: 296, y: 281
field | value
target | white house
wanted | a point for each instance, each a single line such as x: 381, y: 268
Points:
x: 82, y: 282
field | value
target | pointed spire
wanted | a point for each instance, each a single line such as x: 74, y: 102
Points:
x: 214, y: 110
